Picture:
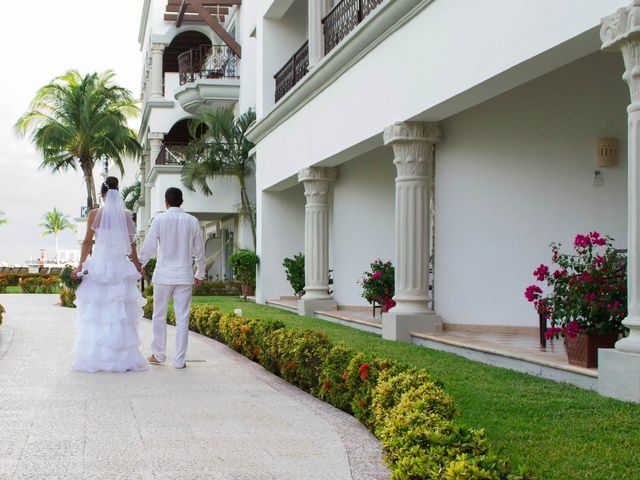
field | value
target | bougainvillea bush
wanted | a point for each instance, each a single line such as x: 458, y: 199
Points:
x: 378, y: 285
x: 586, y: 290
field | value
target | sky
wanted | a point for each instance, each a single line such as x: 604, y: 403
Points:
x: 40, y: 40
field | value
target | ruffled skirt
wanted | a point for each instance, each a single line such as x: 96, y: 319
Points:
x: 108, y: 316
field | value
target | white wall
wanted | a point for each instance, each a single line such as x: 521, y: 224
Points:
x: 515, y: 174
x: 452, y: 55
x: 248, y: 73
x: 280, y: 235
x: 363, y: 221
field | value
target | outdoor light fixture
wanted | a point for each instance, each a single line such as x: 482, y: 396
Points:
x: 607, y: 152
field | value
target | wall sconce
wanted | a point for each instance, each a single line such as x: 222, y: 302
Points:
x: 607, y: 152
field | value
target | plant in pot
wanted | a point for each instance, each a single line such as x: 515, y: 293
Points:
x: 244, y: 264
x: 378, y: 284
x: 294, y: 268
x: 586, y: 298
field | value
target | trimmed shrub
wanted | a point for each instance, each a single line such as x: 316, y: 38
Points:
x: 2, y: 312
x: 209, y: 288
x: 205, y: 320
x: 147, y: 312
x: 294, y: 268
x: 332, y: 384
x: 3, y: 285
x: 68, y: 297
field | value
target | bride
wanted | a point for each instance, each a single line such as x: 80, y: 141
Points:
x: 108, y: 300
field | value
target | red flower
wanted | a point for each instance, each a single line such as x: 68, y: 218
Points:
x: 364, y: 371
x: 532, y: 292
x: 245, y: 329
x: 376, y: 275
x: 362, y: 403
x: 345, y: 375
x: 541, y: 272
x: 326, y: 385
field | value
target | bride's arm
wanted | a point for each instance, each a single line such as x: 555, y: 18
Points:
x: 87, y: 243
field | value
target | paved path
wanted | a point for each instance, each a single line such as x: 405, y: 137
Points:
x: 223, y: 417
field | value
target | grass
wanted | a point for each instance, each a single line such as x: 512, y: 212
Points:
x: 558, y: 431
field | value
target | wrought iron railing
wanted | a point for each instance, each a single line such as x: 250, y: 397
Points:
x: 207, y: 61
x: 293, y: 71
x: 173, y: 154
x: 343, y: 18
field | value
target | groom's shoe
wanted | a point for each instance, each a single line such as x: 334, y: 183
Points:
x: 183, y: 366
x: 152, y: 359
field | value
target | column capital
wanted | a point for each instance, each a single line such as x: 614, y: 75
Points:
x: 155, y: 136
x: 621, y: 32
x: 158, y: 47
x: 322, y: 174
x: 428, y: 132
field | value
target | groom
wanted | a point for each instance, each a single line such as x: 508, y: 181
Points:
x: 178, y: 238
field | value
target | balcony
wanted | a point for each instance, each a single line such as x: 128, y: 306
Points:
x: 343, y: 19
x: 172, y: 154
x: 292, y: 72
x: 208, y: 75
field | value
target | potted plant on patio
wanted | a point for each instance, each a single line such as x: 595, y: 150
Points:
x: 586, y: 298
x: 244, y: 264
x: 294, y: 268
x: 379, y: 284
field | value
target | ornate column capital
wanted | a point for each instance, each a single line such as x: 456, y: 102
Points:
x: 324, y: 174
x: 621, y: 32
x: 429, y: 132
x: 158, y: 48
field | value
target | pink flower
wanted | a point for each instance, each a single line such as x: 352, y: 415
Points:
x: 599, y: 260
x: 596, y: 239
x: 541, y: 272
x: 572, y: 330
x: 590, y: 297
x: 376, y: 275
x: 559, y: 273
x: 582, y: 241
x: 532, y: 292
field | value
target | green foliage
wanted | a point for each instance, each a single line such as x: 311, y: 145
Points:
x: 131, y: 194
x: 3, y: 285
x: 67, y: 280
x: 149, y: 268
x: 75, y: 120
x: 54, y: 222
x: 244, y: 264
x: 205, y: 320
x: 2, y: 312
x: 332, y: 385
x: 294, y: 268
x: 68, y: 297
x: 40, y: 284
x: 378, y: 285
x: 227, y: 287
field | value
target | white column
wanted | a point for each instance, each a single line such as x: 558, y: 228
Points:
x: 157, y: 52
x: 414, y: 149
x: 316, y: 39
x: 619, y: 368
x: 317, y: 183
x: 155, y: 144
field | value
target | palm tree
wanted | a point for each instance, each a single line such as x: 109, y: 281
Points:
x: 53, y: 223
x: 131, y: 194
x: 222, y: 150
x: 74, y: 121
x: 3, y: 219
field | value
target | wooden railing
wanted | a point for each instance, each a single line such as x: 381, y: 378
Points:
x: 173, y: 154
x: 293, y: 71
x: 343, y: 18
x: 207, y: 61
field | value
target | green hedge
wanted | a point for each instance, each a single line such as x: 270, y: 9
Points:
x: 2, y: 311
x: 14, y: 279
x: 406, y: 408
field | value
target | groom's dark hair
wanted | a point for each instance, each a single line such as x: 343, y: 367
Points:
x: 173, y: 196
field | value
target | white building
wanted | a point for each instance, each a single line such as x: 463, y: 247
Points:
x: 188, y: 66
x: 491, y: 113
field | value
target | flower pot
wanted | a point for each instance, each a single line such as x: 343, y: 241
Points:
x: 582, y: 351
x: 248, y: 290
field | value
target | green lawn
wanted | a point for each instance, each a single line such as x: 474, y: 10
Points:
x: 557, y: 431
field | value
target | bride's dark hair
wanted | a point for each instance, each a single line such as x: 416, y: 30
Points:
x: 110, y: 183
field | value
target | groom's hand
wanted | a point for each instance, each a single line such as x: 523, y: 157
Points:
x: 197, y: 282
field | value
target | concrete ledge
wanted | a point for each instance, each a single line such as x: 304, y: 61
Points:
x: 282, y: 304
x: 333, y: 316
x: 619, y: 374
x: 580, y: 377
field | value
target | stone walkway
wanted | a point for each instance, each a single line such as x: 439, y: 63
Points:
x: 224, y: 417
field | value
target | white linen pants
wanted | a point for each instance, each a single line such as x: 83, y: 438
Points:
x: 181, y: 294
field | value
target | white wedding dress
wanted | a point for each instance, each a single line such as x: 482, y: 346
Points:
x: 109, y: 304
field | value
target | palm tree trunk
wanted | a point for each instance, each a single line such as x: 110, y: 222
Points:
x: 87, y: 170
x: 57, y: 249
x: 246, y: 204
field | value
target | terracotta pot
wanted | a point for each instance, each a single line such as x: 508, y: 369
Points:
x: 582, y: 351
x: 248, y: 290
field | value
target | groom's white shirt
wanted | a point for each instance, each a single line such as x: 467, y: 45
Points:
x: 177, y: 238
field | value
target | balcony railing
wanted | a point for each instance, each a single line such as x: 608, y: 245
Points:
x: 293, y: 71
x: 173, y: 154
x: 207, y: 61
x: 343, y: 18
